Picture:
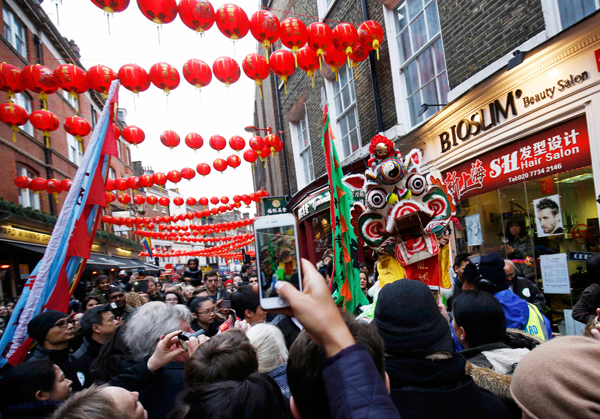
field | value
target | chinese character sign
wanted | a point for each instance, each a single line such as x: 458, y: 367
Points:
x: 557, y: 149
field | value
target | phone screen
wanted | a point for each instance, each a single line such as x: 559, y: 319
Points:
x: 276, y: 247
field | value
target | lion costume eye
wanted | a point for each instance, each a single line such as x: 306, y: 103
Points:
x: 376, y: 198
x: 417, y: 184
x: 389, y: 172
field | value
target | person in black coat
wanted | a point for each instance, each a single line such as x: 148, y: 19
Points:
x: 427, y: 378
x: 193, y: 271
x: 33, y: 390
x: 589, y: 301
x: 523, y: 287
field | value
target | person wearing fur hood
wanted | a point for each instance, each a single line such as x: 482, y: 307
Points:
x: 492, y: 352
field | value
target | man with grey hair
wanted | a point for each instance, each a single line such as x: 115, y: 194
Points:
x: 523, y: 287
x: 150, y: 323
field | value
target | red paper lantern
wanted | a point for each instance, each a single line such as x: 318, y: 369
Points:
x: 139, y: 200
x: 250, y: 156
x: 264, y: 152
x: 77, y: 127
x: 45, y: 121
x: 151, y: 199
x: 370, y: 35
x: 158, y: 11
x: 264, y: 27
x: 203, y: 169
x: 71, y: 79
x: 224, y: 199
x: 164, y: 201
x: 159, y: 179
x: 112, y: 6
x: 220, y: 165
x: 283, y: 64
x: 271, y: 141
x: 237, y: 198
x: 191, y: 201
x: 10, y: 80
x: 256, y: 143
x: 178, y: 201
x: 117, y: 131
x: 334, y: 58
x: 293, y: 33
x: 164, y: 76
x: 39, y: 79
x: 134, y: 78
x: 99, y: 77
x: 237, y: 143
x: 198, y: 15
x: 22, y: 182
x: 133, y: 182
x: 13, y: 115
x: 226, y: 70
x: 194, y: 141
x: 278, y: 146
x: 233, y: 161
x: 121, y: 184
x: 124, y: 198
x: 133, y: 135
x: 232, y: 21
x: 188, y: 173
x: 308, y: 60
x: 145, y: 181
x: 256, y: 67
x: 217, y: 142
x: 38, y: 184
x: 170, y: 139
x: 214, y: 200
x: 174, y: 176
x: 359, y: 55
x: 110, y: 197
x: 65, y: 184
x: 203, y: 201
x: 319, y: 37
x: 197, y: 73
x: 344, y: 37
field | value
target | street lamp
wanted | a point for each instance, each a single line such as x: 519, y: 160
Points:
x: 269, y: 130
x: 425, y: 108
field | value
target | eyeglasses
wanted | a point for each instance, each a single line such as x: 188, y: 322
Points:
x: 512, y: 275
x: 207, y: 312
x: 64, y: 323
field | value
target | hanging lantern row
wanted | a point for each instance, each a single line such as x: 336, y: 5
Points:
x: 233, y: 22
x: 219, y: 250
x: 38, y: 184
x: 147, y: 223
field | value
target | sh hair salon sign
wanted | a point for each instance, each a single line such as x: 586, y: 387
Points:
x: 558, y: 149
x: 546, y: 87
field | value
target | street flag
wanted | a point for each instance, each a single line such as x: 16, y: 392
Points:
x: 345, y: 246
x: 147, y: 245
x: 53, y: 280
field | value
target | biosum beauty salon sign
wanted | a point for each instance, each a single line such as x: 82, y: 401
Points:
x: 557, y: 149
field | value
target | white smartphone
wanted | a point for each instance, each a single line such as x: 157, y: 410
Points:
x: 277, y: 257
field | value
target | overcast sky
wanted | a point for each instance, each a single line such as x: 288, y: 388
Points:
x: 216, y: 110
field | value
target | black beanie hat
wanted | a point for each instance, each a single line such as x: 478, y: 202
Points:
x: 409, y: 321
x: 491, y: 267
x: 38, y: 327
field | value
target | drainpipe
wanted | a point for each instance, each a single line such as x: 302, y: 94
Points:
x: 374, y: 80
x: 38, y: 49
x: 288, y: 196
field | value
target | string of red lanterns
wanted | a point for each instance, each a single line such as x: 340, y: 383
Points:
x: 223, y: 251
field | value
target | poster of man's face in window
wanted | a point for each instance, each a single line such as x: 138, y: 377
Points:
x: 548, y: 216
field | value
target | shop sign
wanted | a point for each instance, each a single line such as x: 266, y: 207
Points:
x: 323, y: 201
x: 15, y: 233
x: 545, y: 88
x: 24, y: 271
x: 579, y: 256
x: 274, y: 205
x: 557, y: 149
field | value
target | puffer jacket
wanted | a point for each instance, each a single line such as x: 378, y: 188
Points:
x: 516, y: 311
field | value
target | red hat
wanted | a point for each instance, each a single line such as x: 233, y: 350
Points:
x: 229, y: 281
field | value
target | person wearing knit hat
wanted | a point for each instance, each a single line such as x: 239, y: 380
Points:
x: 559, y: 379
x: 427, y: 378
x: 486, y: 273
x: 53, y: 330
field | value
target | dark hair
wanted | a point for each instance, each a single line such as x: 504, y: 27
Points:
x: 548, y: 203
x: 197, y: 302
x: 112, y: 290
x: 91, y: 317
x: 305, y: 367
x: 99, y: 279
x: 114, y: 349
x: 87, y: 299
x: 253, y: 275
x: 244, y: 299
x: 482, y: 317
x: 460, y: 258
x: 227, y: 356
x: 210, y: 274
x: 515, y: 221
x: 180, y: 299
x: 20, y: 383
x: 244, y: 269
x: 257, y: 397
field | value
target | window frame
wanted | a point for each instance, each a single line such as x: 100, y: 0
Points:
x: 15, y: 25
x: 298, y: 152
x: 73, y: 156
x: 341, y: 114
x: 27, y: 197
x: 25, y: 100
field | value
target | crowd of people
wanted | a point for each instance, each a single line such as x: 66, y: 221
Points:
x: 203, y: 347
